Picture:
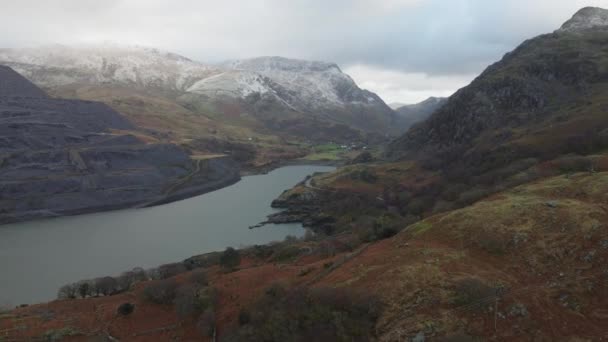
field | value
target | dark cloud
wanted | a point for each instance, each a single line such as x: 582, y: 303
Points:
x: 436, y: 38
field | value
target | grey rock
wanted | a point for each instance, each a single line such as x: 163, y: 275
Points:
x: 589, y: 256
x: 62, y: 157
x: 419, y: 337
x: 586, y: 18
x: 552, y: 204
x: 518, y: 310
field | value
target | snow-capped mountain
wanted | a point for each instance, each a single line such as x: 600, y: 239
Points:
x: 266, y: 84
x: 317, y: 84
x: 58, y: 65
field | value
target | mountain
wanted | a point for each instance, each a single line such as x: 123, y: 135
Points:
x: 395, y: 105
x: 12, y: 84
x: 544, y: 99
x: 414, y: 113
x: 586, y: 18
x: 63, y: 157
x: 60, y: 65
x: 271, y: 95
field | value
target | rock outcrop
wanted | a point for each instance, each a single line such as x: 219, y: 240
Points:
x: 586, y: 18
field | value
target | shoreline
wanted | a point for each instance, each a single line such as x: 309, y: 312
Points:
x: 265, y: 169
x: 186, y: 193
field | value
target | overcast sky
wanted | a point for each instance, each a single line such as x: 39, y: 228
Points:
x: 405, y: 50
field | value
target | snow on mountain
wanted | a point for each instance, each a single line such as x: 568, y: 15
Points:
x: 268, y: 84
x: 588, y: 17
x: 317, y: 84
x: 57, y: 65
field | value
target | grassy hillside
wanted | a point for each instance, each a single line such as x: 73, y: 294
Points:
x: 525, y: 263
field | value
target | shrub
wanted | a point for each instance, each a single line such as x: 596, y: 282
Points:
x: 199, y: 277
x: 309, y: 314
x: 171, y: 270
x: 492, y: 242
x: 473, y: 292
x: 186, y: 301
x: 161, y: 291
x: 230, y: 259
x: 206, y: 323
x: 125, y: 309
x: 244, y: 317
x: 287, y: 253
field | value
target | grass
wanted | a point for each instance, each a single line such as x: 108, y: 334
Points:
x: 420, y: 227
x: 325, y: 152
x: 323, y: 156
x: 60, y: 334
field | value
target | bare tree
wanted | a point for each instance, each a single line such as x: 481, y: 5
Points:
x: 67, y: 291
x: 84, y: 288
x: 171, y: 270
x: 106, y: 285
x: 161, y: 291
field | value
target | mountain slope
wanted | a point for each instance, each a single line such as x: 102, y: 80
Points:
x: 265, y: 94
x: 547, y: 97
x: 415, y: 113
x: 59, y: 65
x: 63, y: 157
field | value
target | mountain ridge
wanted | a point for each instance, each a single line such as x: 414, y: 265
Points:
x: 263, y: 86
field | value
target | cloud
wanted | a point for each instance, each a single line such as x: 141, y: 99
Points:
x: 436, y: 38
x: 404, y: 87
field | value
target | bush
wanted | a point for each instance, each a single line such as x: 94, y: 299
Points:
x: 492, y: 242
x: 230, y: 259
x: 125, y: 309
x: 474, y: 292
x: 308, y: 314
x: 161, y: 291
x: 186, y: 301
x: 171, y: 270
x: 206, y: 323
x: 199, y: 277
x: 244, y: 317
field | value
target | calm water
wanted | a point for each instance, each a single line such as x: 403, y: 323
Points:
x: 36, y: 258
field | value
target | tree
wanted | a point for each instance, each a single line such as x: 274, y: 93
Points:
x: 230, y: 258
x: 171, y: 270
x: 186, y: 301
x: 67, y: 291
x: 199, y: 277
x: 84, y: 289
x: 106, y: 285
x: 161, y: 291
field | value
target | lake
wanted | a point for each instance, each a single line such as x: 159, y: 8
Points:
x: 38, y: 257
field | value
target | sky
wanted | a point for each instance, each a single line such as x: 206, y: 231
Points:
x: 404, y: 50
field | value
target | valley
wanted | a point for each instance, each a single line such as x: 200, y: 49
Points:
x: 482, y: 216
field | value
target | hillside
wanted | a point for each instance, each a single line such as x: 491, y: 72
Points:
x: 534, y: 272
x: 545, y: 98
x: 62, y: 157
